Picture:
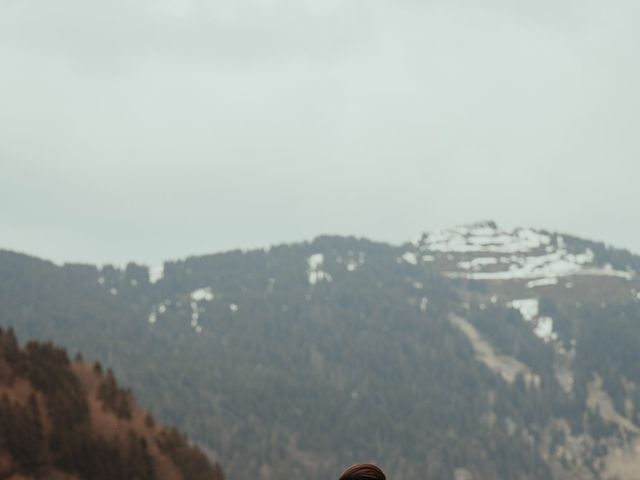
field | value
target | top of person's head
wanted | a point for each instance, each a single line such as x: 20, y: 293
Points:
x: 363, y: 471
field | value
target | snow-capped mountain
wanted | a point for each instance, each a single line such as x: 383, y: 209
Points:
x: 483, y: 251
x: 520, y: 266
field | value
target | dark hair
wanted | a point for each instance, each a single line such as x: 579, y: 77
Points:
x: 363, y: 471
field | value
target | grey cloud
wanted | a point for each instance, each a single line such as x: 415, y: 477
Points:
x: 125, y: 33
x: 148, y: 130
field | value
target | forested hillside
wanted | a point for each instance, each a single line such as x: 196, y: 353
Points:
x: 303, y: 358
x: 69, y: 420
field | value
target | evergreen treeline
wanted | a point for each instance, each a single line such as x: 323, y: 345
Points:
x: 46, y: 428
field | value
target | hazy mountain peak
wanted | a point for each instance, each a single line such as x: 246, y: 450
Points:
x: 484, y: 251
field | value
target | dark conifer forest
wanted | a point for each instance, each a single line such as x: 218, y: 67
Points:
x: 68, y: 420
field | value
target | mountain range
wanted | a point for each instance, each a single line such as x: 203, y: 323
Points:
x: 470, y: 353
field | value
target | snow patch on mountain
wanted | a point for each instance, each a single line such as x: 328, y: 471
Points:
x: 315, y: 274
x: 196, y: 297
x: 529, y: 309
x: 542, y: 282
x: 410, y: 258
x: 478, y: 262
x: 544, y: 329
x: 158, y: 310
x: 204, y: 294
x: 522, y: 254
x: 195, y: 313
x: 559, y: 263
x: 483, y: 237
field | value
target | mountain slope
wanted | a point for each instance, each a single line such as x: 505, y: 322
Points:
x: 64, y: 420
x: 302, y: 358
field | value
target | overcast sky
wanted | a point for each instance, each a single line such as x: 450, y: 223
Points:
x: 156, y: 129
